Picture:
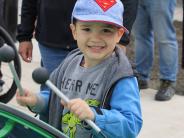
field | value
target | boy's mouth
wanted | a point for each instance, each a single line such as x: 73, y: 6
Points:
x: 96, y: 48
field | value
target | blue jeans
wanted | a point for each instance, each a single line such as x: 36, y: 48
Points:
x: 155, y: 19
x: 52, y: 57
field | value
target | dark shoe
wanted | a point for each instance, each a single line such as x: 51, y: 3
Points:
x: 143, y: 84
x: 166, y: 91
x: 1, y: 85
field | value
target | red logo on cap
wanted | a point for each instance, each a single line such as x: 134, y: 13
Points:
x: 105, y: 4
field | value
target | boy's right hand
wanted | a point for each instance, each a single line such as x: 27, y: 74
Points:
x: 28, y: 99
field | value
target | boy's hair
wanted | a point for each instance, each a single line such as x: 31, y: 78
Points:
x: 106, y: 11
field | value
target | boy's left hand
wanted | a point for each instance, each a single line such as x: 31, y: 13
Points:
x: 80, y: 108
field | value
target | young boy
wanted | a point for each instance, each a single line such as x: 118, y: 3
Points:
x: 96, y: 77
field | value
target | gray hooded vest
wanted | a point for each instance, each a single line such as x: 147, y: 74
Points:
x: 117, y: 68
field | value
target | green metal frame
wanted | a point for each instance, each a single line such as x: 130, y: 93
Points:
x: 12, y: 119
x: 7, y: 128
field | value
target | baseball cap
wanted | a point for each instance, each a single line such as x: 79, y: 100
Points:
x: 107, y: 11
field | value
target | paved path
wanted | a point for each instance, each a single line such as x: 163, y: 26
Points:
x: 161, y: 119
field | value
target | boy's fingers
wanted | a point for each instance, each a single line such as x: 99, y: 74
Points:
x: 21, y: 101
x: 79, y: 111
x: 25, y: 101
x: 17, y: 93
x: 82, y: 116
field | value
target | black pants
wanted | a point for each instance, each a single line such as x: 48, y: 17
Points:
x: 8, y: 16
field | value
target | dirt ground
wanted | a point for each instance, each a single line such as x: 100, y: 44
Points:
x: 154, y: 80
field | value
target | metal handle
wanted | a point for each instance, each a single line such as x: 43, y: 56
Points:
x: 65, y: 99
x: 16, y: 79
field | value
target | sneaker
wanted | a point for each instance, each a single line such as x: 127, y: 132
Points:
x: 166, y: 91
x: 1, y: 85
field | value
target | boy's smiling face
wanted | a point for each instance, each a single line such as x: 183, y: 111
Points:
x: 96, y: 40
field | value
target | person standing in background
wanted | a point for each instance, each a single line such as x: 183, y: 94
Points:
x: 155, y: 18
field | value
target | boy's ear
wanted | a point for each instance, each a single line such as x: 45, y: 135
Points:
x: 120, y: 34
x: 73, y: 29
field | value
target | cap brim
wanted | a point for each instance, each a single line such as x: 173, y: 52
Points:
x: 103, y: 19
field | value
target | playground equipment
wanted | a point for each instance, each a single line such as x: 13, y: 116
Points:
x: 16, y: 124
x: 7, y: 54
x: 8, y: 27
x: 9, y: 88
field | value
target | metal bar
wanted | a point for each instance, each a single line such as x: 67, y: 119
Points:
x: 65, y: 99
x: 16, y: 79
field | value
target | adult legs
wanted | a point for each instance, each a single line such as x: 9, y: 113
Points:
x: 51, y: 58
x: 143, y: 34
x: 162, y: 19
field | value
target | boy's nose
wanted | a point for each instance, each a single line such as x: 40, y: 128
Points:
x: 95, y: 36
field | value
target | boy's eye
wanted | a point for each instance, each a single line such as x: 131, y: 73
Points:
x: 107, y: 31
x: 86, y: 29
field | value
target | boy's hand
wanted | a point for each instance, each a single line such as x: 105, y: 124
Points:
x: 28, y: 99
x: 80, y: 108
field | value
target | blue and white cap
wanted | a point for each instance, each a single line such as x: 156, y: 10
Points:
x: 107, y: 11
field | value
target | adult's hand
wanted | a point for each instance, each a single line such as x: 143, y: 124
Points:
x: 25, y: 50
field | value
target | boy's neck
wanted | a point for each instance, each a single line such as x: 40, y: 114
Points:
x: 88, y: 64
